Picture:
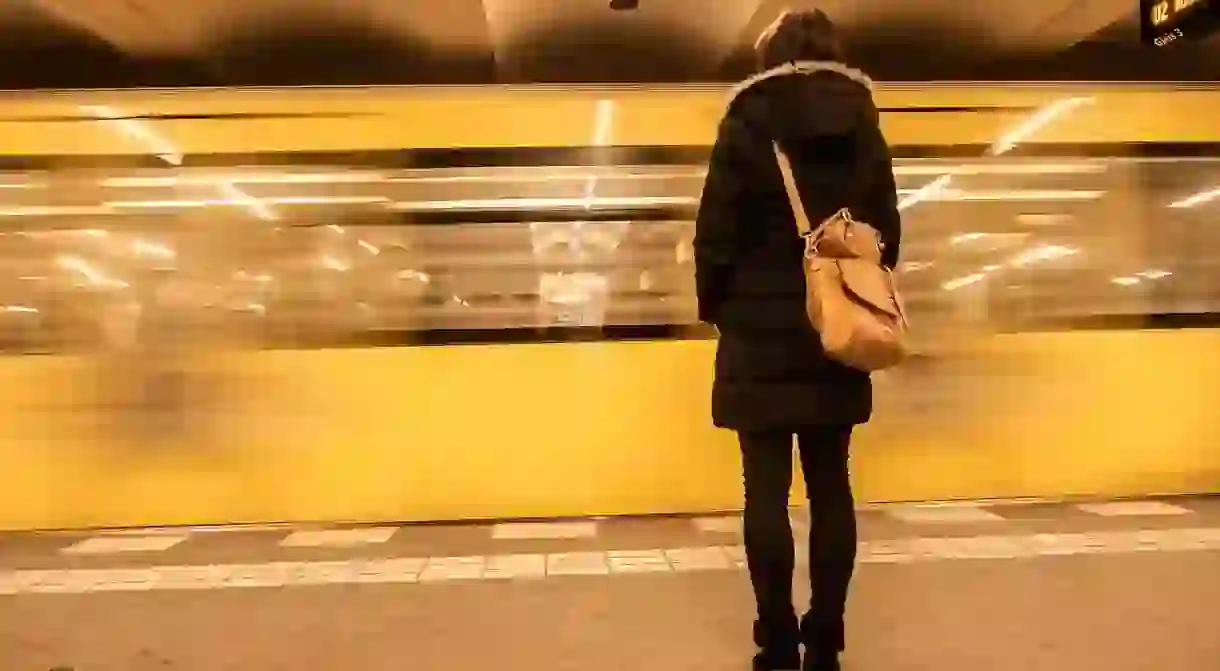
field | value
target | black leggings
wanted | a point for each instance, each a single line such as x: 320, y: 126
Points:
x: 767, y: 464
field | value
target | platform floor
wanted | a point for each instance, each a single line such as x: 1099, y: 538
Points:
x: 1124, y: 587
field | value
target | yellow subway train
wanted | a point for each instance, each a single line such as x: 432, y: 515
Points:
x: 368, y: 304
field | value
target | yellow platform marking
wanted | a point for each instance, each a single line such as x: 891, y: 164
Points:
x: 339, y: 537
x: 116, y: 544
x: 541, y: 530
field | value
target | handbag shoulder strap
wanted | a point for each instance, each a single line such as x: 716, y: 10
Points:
x: 803, y: 226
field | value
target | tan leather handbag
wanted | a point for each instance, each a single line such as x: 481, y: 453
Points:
x: 850, y: 297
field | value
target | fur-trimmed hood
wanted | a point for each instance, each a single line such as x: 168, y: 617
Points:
x: 802, y: 68
x: 785, y: 104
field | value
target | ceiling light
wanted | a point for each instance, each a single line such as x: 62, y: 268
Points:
x: 335, y: 264
x: 960, y: 282
x: 1042, y: 253
x: 966, y: 237
x: 414, y: 275
x: 1155, y: 274
x: 152, y: 249
x: 1197, y: 199
x: 541, y: 203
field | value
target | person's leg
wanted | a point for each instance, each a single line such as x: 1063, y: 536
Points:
x: 832, y: 540
x: 767, y: 466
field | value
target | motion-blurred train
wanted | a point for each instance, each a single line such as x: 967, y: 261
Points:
x: 459, y: 303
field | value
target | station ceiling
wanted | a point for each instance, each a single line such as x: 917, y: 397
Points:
x: 122, y: 43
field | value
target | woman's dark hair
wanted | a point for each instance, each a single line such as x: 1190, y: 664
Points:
x: 799, y: 36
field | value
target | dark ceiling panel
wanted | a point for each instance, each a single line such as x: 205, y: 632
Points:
x: 909, y: 50
x: 332, y: 49
x: 344, y: 46
x: 611, y: 52
x: 1115, y: 53
x: 44, y: 55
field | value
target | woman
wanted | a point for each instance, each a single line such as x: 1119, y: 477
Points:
x: 773, y: 380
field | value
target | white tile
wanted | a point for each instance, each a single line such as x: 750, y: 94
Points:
x: 317, y: 573
x: 885, y: 552
x: 540, y: 530
x: 441, y: 569
x: 1133, y: 509
x: 403, y: 570
x: 724, y: 524
x: 191, y: 577
x: 1151, y: 541
x: 28, y: 578
x: 932, y: 548
x: 535, y: 566
x: 125, y: 580
x: 1125, y: 542
x: 331, y: 573
x: 981, y: 547
x: 1201, y: 539
x: 637, y: 561
x: 699, y: 559
x: 339, y: 537
x: 577, y: 563
x: 1184, y: 540
x: 1049, y: 545
x: 381, y: 571
x: 1142, y: 541
x: 275, y: 574
x: 943, y: 514
x: 46, y: 582
x: 86, y: 581
x: 509, y: 567
x: 1122, y: 542
x: 118, y: 544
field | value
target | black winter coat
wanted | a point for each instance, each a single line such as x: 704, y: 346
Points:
x: 771, y: 372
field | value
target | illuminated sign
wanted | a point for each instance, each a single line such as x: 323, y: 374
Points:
x: 1166, y: 22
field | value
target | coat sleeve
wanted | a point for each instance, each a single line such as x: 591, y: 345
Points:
x: 718, y: 221
x: 881, y: 196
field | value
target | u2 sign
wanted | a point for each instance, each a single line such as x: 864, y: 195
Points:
x: 1165, y: 23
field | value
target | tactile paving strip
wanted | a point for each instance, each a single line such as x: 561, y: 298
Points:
x: 406, y: 570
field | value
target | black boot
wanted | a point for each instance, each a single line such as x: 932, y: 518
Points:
x: 817, y: 660
x: 779, y: 648
x: 823, y: 643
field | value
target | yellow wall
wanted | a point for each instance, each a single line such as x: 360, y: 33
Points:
x: 396, y: 118
x: 595, y: 428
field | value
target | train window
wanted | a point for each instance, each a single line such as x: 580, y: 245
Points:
x: 1182, y: 240
x: 352, y: 254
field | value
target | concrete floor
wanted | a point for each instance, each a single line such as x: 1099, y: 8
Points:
x: 1144, y: 600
